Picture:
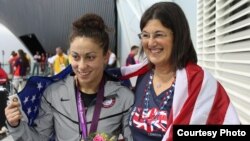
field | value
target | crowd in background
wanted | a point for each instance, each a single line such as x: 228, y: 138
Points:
x: 21, y: 66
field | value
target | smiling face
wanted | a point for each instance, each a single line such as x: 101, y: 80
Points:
x: 88, y: 60
x: 157, y: 42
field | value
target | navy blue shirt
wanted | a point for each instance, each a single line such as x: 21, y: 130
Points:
x: 130, y: 60
x: 153, y: 126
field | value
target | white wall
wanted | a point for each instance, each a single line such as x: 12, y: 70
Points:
x: 8, y: 43
x: 223, y: 48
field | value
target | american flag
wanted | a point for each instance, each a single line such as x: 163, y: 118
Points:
x: 199, y: 98
x: 30, y: 96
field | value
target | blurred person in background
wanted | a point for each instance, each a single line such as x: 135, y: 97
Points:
x: 3, y: 101
x: 59, y: 61
x: 3, y: 76
x: 11, y: 61
x: 112, y: 59
x: 131, y: 57
x: 21, y: 69
x: 131, y: 61
x: 36, y: 66
x: 43, y: 63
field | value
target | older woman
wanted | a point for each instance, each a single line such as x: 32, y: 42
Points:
x: 173, y: 88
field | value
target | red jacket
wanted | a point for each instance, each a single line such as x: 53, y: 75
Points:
x: 3, y: 76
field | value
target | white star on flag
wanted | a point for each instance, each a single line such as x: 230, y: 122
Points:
x: 30, y: 96
x: 39, y: 86
x: 29, y: 111
x: 26, y: 100
x: 33, y: 98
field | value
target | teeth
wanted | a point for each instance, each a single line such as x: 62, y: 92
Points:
x: 156, y: 50
x: 83, y: 73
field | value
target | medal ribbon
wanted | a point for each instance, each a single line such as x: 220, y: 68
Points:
x: 97, y: 110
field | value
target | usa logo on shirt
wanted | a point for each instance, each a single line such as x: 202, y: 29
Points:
x: 108, y: 102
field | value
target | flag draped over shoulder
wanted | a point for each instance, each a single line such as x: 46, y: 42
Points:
x: 126, y: 72
x: 30, y: 96
x: 198, y: 99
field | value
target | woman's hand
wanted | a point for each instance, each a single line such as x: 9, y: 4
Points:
x: 13, y: 113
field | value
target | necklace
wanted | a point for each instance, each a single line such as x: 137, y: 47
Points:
x: 169, y: 77
x: 168, y: 94
x: 158, y: 85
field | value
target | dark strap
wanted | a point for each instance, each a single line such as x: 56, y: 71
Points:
x: 97, y: 110
x: 98, y: 107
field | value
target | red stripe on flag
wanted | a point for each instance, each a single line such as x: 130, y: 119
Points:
x: 170, y: 137
x: 170, y: 125
x: 220, y: 106
x: 195, y: 76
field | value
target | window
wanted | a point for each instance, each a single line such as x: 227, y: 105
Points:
x: 223, y: 48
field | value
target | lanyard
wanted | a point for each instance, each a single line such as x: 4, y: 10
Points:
x: 97, y: 110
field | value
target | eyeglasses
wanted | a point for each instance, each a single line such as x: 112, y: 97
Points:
x: 157, y: 35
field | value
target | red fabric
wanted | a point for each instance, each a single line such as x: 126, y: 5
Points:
x: 195, y: 78
x: 17, y: 70
x: 3, y: 76
x: 220, y: 106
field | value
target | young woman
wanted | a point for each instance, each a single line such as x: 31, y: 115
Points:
x: 86, y: 101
